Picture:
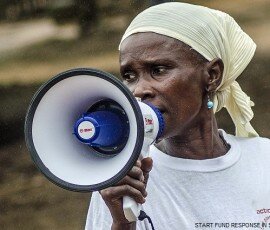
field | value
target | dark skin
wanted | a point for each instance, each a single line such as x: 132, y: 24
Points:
x: 177, y: 80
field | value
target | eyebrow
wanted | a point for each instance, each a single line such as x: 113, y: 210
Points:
x: 162, y: 61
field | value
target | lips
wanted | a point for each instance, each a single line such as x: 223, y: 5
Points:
x: 157, y: 107
x: 162, y: 110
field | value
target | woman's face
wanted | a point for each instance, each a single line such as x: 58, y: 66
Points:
x: 166, y: 73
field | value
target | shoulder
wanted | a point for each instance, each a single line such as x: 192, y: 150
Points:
x: 247, y: 141
x: 256, y: 147
x: 254, y: 142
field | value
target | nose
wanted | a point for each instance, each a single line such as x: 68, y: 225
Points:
x: 143, y: 89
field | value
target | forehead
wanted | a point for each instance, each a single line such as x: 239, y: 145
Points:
x: 148, y: 46
x: 147, y: 40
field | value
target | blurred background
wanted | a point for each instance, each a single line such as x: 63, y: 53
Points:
x: 40, y: 38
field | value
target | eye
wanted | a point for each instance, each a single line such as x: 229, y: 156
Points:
x: 129, y: 76
x: 158, y: 70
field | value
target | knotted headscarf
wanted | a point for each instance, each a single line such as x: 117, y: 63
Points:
x: 213, y: 34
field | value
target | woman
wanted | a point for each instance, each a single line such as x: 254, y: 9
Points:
x: 185, y: 59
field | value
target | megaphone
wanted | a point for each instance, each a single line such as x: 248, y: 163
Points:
x: 85, y: 130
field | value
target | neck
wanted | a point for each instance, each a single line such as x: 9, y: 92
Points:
x: 199, y: 142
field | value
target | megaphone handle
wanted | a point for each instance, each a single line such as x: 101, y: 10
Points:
x: 131, y: 208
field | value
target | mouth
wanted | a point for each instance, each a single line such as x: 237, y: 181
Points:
x: 161, y: 110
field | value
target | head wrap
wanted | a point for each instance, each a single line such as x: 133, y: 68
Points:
x: 213, y: 34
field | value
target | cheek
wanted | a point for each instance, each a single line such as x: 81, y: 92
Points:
x: 183, y: 97
x: 184, y: 92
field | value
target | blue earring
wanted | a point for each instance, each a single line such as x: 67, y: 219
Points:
x: 210, y: 103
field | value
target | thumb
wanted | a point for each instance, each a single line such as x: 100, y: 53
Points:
x: 147, y: 164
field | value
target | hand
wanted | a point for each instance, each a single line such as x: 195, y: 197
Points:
x: 132, y: 185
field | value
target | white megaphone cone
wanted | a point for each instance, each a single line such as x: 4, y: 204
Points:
x: 85, y: 131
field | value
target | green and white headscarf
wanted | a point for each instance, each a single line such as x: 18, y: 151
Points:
x: 213, y: 34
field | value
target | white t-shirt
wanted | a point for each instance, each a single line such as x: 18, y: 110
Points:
x: 228, y: 192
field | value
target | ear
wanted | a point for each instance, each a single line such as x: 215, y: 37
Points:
x: 215, y: 71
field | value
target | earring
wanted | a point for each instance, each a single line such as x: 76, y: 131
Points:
x: 210, y: 103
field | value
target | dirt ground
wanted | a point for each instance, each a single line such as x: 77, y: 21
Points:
x: 18, y: 35
x: 28, y: 201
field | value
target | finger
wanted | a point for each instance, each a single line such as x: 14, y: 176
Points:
x: 138, y: 163
x: 114, y: 193
x: 147, y: 165
x: 139, y: 185
x: 136, y: 173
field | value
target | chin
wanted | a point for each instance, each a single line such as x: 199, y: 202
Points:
x: 169, y: 127
x: 164, y: 135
